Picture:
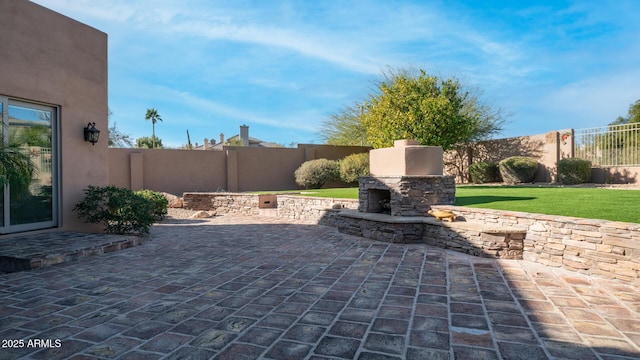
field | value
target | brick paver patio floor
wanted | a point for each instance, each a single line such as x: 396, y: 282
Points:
x: 255, y: 287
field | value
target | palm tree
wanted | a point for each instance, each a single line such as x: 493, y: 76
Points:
x: 16, y: 169
x: 152, y: 114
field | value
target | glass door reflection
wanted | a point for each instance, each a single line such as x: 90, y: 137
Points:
x: 30, y: 129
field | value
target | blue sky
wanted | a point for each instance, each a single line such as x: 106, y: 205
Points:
x: 282, y: 67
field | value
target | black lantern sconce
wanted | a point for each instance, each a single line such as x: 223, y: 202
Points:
x: 91, y: 134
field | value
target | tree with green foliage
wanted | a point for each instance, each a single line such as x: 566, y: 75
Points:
x: 36, y: 135
x: 345, y: 127
x: 436, y: 112
x: 234, y: 142
x: 16, y: 169
x: 146, y: 142
x: 414, y: 105
x: 152, y: 114
x: 633, y: 115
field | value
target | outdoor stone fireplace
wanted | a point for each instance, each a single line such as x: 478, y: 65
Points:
x: 406, y: 180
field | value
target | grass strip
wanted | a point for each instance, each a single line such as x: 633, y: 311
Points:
x: 590, y: 203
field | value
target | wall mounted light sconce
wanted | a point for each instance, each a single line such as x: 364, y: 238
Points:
x: 91, y: 134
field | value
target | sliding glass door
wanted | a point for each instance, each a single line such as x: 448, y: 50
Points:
x: 30, y: 129
x: 2, y: 170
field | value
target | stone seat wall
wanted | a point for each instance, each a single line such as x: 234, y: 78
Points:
x: 471, y: 238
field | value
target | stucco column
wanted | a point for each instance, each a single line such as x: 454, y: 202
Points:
x: 137, y: 171
x: 232, y: 170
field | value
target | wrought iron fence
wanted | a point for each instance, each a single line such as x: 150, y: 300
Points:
x: 45, y: 160
x: 41, y: 158
x: 609, y: 145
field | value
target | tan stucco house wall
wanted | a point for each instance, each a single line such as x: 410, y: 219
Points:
x: 51, y: 59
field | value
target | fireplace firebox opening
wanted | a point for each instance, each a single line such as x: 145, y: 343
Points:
x: 379, y: 201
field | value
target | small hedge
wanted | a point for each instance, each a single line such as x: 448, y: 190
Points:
x: 120, y: 210
x: 315, y: 173
x: 574, y: 171
x: 354, y: 166
x: 484, y: 172
x: 518, y: 169
x: 158, y: 200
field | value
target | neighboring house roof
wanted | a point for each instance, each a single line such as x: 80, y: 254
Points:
x: 253, y: 142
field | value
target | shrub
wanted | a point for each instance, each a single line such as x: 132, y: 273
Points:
x: 574, y: 171
x: 315, y: 173
x: 120, y: 210
x: 518, y: 169
x: 158, y: 200
x: 354, y: 166
x: 484, y: 172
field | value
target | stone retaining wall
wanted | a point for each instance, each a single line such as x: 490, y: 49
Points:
x: 310, y: 208
x: 223, y: 203
x: 303, y: 208
x: 596, y: 247
x: 471, y: 238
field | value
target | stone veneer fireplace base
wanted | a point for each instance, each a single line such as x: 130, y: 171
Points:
x: 407, y: 195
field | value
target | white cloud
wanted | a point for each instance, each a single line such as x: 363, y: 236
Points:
x: 598, y: 100
x: 215, y: 109
x: 546, y: 63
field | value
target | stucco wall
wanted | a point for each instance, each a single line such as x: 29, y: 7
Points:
x: 331, y: 152
x: 233, y: 169
x: 546, y: 148
x: 167, y: 170
x: 52, y: 59
x: 616, y: 175
x: 265, y: 168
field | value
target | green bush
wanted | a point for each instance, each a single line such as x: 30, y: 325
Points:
x: 354, y: 166
x: 484, y: 172
x: 315, y: 173
x: 120, y: 210
x: 574, y: 171
x: 518, y: 169
x: 158, y: 200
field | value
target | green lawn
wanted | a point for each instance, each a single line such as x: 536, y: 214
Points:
x: 591, y: 203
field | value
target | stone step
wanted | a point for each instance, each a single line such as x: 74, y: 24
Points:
x: 29, y: 251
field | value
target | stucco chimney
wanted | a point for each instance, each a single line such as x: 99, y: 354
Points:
x: 206, y: 142
x: 244, y: 135
x: 406, y: 157
x: 221, y: 138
